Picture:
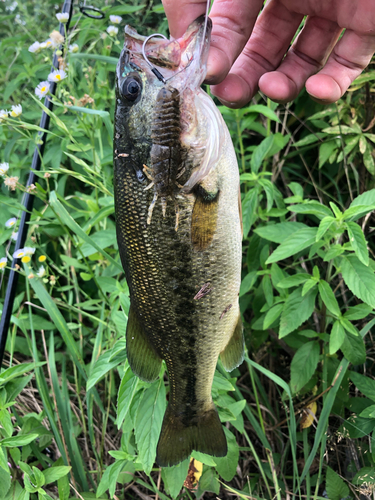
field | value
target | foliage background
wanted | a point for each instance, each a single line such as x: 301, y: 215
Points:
x: 299, y: 414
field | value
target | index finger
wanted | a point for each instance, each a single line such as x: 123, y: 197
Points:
x: 181, y: 13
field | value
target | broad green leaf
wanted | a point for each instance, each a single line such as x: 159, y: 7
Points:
x: 349, y: 327
x: 364, y: 384
x: 366, y: 475
x: 368, y: 412
x: 19, y: 440
x: 357, y: 211
x: 249, y: 212
x: 311, y: 283
x: 127, y: 390
x: 368, y: 159
x: 148, y: 422
x: 264, y: 110
x: 359, y: 311
x: 4, y: 482
x: 6, y: 422
x: 17, y: 370
x: 103, y: 365
x: 279, y: 232
x: 358, y: 242
x: 337, y: 337
x: 294, y: 244
x: 174, y: 477
x: 328, y: 297
x: 359, y: 279
x: 204, y: 458
x: 333, y: 252
x: 365, y: 199
x: 335, y: 486
x: 221, y: 383
x: 248, y: 282
x: 71, y: 223
x: 325, y: 151
x: 309, y: 139
x: 336, y: 210
x: 54, y: 473
x: 297, y: 310
x: 105, y: 482
x: 104, y: 115
x: 303, y: 365
x: 272, y: 315
x: 338, y: 130
x: 312, y: 208
x: 267, y: 289
x: 324, y: 225
x: 227, y: 466
x: 294, y: 280
x: 208, y: 482
x: 260, y: 152
x: 354, y: 349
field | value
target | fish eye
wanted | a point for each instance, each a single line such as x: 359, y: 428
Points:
x: 131, y: 88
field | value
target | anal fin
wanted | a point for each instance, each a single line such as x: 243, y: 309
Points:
x: 233, y: 354
x: 142, y: 357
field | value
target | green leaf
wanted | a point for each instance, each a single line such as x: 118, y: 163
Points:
x: 17, y: 370
x: 359, y: 311
x: 357, y: 211
x: 208, y: 482
x: 54, y: 473
x: 336, y: 210
x: 174, y: 477
x: 337, y: 337
x: 294, y: 280
x: 368, y: 159
x: 279, y: 232
x: 333, y: 252
x: 227, y: 466
x: 4, y: 482
x: 109, y: 477
x: 309, y: 139
x: 71, y: 223
x: 294, y: 244
x: 19, y: 440
x: 303, y: 365
x: 368, y: 412
x: 364, y: 384
x: 359, y: 279
x: 272, y: 315
x: 328, y: 297
x: 365, y: 199
x: 297, y: 310
x: 105, y: 363
x: 6, y: 422
x: 358, y: 242
x: 204, y: 458
x: 354, y: 349
x: 311, y: 283
x: 127, y: 390
x: 335, y: 486
x: 325, y: 151
x: 104, y: 115
x: 348, y: 326
x: 312, y: 208
x: 264, y: 110
x: 260, y: 152
x: 248, y: 282
x: 324, y: 225
x: 148, y: 422
x: 249, y: 212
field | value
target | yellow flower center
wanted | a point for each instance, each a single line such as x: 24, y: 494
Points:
x: 2, y: 265
x: 58, y: 77
x: 26, y: 259
x: 43, y: 89
x: 42, y: 258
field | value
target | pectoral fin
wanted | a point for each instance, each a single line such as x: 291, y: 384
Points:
x: 232, y: 356
x: 204, y: 218
x: 142, y: 357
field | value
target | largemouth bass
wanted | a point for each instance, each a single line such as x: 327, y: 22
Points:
x: 178, y: 217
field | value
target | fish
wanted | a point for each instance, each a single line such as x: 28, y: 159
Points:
x: 178, y: 222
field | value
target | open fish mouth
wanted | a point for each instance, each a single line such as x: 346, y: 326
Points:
x: 182, y: 61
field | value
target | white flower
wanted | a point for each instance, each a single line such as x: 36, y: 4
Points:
x: 11, y: 222
x: 35, y: 47
x: 14, y: 236
x: 42, y: 89
x: 112, y: 30
x: 56, y: 37
x: 41, y: 272
x: 115, y: 19
x: 63, y: 17
x: 3, y: 263
x: 29, y: 250
x: 18, y: 254
x: 4, y: 167
x: 16, y: 111
x: 3, y: 115
x: 57, y: 76
x: 73, y: 48
x: 47, y: 44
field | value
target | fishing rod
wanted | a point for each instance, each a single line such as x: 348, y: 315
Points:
x: 28, y: 199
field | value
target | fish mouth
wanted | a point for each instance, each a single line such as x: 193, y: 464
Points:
x: 184, y: 56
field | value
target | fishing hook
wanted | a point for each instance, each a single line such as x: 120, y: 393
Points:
x: 157, y: 73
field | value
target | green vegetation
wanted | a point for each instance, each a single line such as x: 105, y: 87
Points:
x: 299, y: 414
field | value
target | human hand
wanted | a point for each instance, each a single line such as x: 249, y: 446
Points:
x: 248, y: 51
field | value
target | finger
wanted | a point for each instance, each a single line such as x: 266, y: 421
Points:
x: 273, y: 31
x: 347, y: 61
x: 307, y: 55
x: 181, y: 13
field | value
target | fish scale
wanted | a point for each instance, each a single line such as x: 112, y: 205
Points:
x: 183, y: 284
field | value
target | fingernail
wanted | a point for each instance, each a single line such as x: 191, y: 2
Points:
x: 228, y: 104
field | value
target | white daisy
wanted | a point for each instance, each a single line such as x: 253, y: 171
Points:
x: 35, y: 47
x: 14, y: 236
x: 11, y: 222
x: 3, y: 263
x: 29, y: 250
x: 56, y: 37
x: 57, y: 76
x: 4, y: 167
x: 112, y: 30
x: 115, y: 19
x: 63, y: 17
x: 3, y: 115
x: 42, y: 89
x: 73, y: 48
x: 47, y: 44
x: 41, y: 272
x: 16, y: 111
x: 18, y: 254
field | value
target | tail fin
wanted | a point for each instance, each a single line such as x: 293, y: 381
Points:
x: 177, y: 440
